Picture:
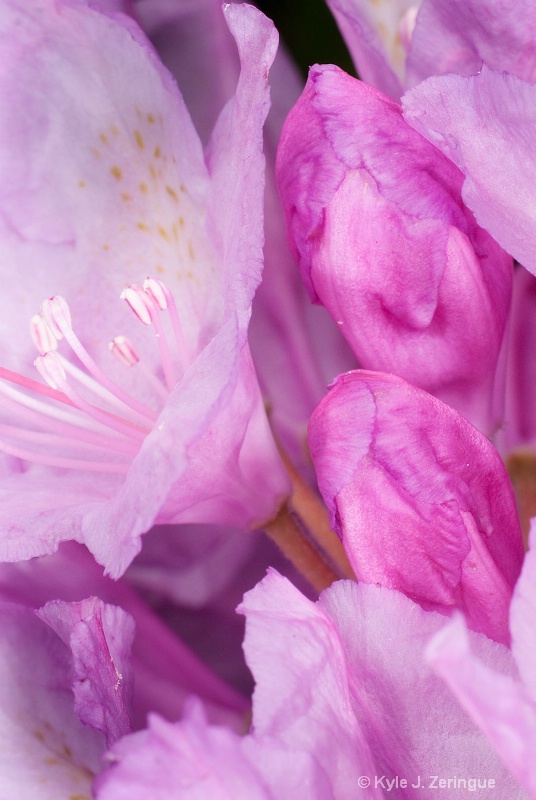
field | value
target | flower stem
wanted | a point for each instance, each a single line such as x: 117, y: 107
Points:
x: 314, y: 515
x: 294, y: 544
x: 521, y: 466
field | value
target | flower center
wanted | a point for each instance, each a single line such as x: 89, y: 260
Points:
x: 82, y: 418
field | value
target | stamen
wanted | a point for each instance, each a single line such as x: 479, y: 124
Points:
x: 157, y: 292
x: 123, y: 349
x: 75, y: 425
x: 52, y: 371
x: 158, y: 289
x: 70, y: 422
x: 138, y: 301
x: 144, y: 306
x: 50, y: 368
x: 57, y: 316
x: 100, y: 444
x: 38, y: 408
x: 58, y: 461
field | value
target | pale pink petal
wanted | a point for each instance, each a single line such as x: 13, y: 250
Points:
x: 236, y: 161
x: 420, y: 498
x: 304, y: 735
x: 186, y: 761
x: 460, y: 35
x: 140, y: 163
x: 414, y: 727
x: 372, y: 33
x: 302, y: 700
x: 485, y: 124
x: 497, y: 702
x: 523, y: 617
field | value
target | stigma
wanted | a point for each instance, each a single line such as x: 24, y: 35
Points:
x: 78, y: 416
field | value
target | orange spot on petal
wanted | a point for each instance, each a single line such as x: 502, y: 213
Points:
x: 172, y: 193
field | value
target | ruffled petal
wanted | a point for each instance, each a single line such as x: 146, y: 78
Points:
x: 165, y: 670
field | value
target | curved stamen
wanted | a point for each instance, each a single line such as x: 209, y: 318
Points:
x: 52, y: 371
x: 66, y: 426
x: 58, y: 461
x: 54, y: 440
x: 158, y: 289
x: 145, y: 308
x: 58, y: 418
x: 58, y: 320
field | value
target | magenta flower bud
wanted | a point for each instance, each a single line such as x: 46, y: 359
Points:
x: 420, y: 499
x: 385, y: 242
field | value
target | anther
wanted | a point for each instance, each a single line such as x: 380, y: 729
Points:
x: 157, y: 291
x: 42, y: 336
x: 57, y: 315
x: 51, y: 370
x: 139, y: 301
x: 124, y: 350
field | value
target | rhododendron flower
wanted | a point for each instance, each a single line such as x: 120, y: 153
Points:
x: 108, y: 182
x: 420, y: 498
x: 387, y: 245
x: 342, y: 698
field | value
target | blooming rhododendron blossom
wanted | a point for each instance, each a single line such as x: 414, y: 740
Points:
x: 132, y: 194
